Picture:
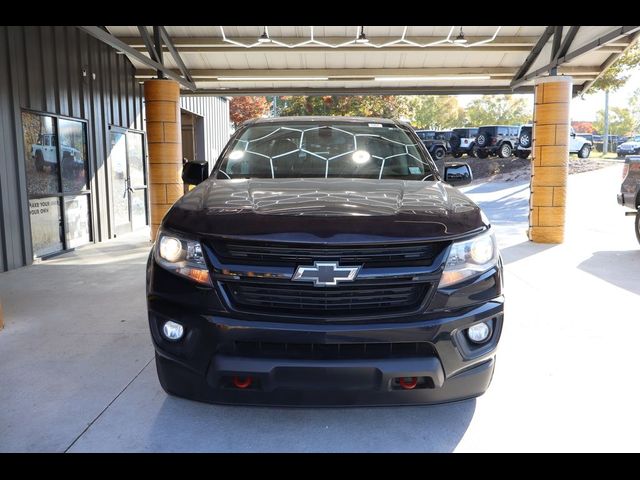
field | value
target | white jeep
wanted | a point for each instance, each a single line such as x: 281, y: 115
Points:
x: 577, y: 144
x: 44, y: 154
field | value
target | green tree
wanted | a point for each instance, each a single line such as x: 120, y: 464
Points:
x: 617, y: 74
x: 621, y: 121
x: 634, y: 106
x: 437, y: 112
x: 498, y: 109
x: 388, y: 106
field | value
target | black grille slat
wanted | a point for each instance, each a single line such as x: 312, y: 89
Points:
x: 312, y: 300
x: 293, y: 254
x: 332, y: 351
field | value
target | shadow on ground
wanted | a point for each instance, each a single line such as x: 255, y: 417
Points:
x: 620, y: 268
x: 437, y: 428
x: 522, y: 250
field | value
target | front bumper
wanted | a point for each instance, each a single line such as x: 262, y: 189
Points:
x: 202, y: 365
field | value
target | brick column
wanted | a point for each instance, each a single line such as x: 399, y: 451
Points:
x: 549, y: 165
x: 164, y: 137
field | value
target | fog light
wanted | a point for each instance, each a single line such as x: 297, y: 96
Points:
x: 479, y: 332
x: 172, y: 330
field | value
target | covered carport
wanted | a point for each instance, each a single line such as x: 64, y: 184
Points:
x: 76, y: 361
x: 553, y: 62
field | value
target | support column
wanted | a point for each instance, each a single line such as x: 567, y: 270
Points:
x: 550, y: 162
x: 164, y: 137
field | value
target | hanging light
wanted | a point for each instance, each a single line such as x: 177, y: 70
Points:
x: 264, y: 38
x: 460, y: 40
x: 362, y: 38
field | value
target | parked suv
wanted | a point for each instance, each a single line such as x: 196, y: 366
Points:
x: 325, y: 261
x: 579, y: 145
x: 629, y: 195
x: 436, y: 146
x: 463, y: 140
x: 498, y: 140
x: 630, y: 147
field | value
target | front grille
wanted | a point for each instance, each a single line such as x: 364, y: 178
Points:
x: 342, y: 300
x: 332, y: 351
x: 270, y: 253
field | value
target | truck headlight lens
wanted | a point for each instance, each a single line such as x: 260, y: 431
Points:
x: 183, y: 257
x: 469, y: 258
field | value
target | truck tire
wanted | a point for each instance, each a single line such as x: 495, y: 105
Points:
x: 584, y: 151
x: 523, y: 153
x: 39, y: 161
x: 473, y: 150
x: 638, y: 226
x: 482, y: 140
x: 457, y: 154
x: 505, y: 150
x: 525, y: 140
x: 439, y: 153
x: 482, y: 153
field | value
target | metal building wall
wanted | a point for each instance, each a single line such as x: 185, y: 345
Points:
x: 41, y: 69
x: 215, y: 111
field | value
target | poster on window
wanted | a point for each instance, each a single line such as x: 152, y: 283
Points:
x: 76, y: 211
x: 46, y: 231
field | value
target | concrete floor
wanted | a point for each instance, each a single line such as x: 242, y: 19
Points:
x: 76, y: 372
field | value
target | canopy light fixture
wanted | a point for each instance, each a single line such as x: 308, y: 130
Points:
x: 460, y: 40
x: 269, y: 79
x: 362, y: 37
x: 453, y: 77
x: 264, y: 38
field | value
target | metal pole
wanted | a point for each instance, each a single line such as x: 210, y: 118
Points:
x: 605, y: 141
x: 157, y: 40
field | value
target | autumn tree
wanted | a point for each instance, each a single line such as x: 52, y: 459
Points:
x: 437, y: 112
x: 621, y: 121
x: 498, y: 109
x: 583, y: 127
x: 387, y: 106
x: 246, y: 108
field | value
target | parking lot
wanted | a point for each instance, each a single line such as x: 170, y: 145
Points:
x: 76, y: 368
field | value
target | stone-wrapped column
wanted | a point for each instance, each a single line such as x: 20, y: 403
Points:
x: 164, y: 137
x: 549, y: 165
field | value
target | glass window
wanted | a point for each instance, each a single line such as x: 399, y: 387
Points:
x: 308, y: 150
x: 76, y: 212
x: 138, y: 209
x: 136, y: 158
x: 46, y: 225
x: 41, y: 158
x: 503, y: 131
x: 74, y: 155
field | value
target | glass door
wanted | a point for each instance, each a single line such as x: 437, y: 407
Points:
x: 128, y: 180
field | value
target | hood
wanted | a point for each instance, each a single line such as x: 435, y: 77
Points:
x: 324, y: 210
x: 629, y: 144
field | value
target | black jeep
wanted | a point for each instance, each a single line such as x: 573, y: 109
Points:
x: 498, y: 140
x: 436, y: 145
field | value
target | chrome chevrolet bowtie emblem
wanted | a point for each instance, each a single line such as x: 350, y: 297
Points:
x: 325, y: 274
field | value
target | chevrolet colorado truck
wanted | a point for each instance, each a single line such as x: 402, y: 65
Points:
x: 325, y: 261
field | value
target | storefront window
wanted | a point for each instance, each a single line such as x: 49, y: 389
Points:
x: 74, y: 156
x: 57, y: 182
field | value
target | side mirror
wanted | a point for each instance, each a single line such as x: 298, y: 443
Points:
x: 573, y: 134
x: 194, y: 173
x: 457, y: 174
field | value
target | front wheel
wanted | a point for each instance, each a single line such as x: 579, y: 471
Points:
x: 482, y: 154
x: 523, y: 153
x: 505, y: 151
x: 439, y: 153
x: 584, y: 151
x: 638, y: 226
x: 457, y: 155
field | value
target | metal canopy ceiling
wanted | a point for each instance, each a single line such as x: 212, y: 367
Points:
x: 229, y: 60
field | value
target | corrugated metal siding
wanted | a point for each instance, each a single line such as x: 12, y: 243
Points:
x: 215, y: 111
x: 41, y: 70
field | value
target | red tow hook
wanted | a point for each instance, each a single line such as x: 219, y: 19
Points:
x: 408, y: 383
x: 240, y: 382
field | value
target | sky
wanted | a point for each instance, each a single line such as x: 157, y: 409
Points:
x: 585, y: 110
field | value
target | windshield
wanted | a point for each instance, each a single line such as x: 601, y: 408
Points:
x: 310, y: 150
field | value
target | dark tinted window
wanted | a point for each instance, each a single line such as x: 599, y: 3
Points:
x: 310, y: 150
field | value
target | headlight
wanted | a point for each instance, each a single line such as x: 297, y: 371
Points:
x: 469, y: 258
x: 182, y: 257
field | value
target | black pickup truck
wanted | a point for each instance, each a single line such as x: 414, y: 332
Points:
x: 629, y: 195
x: 325, y: 261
